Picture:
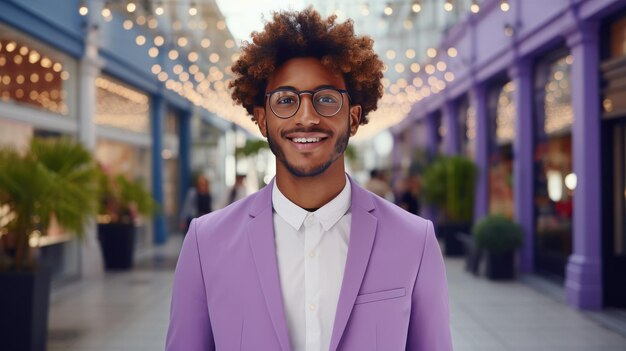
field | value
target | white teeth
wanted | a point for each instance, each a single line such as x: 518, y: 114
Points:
x: 306, y: 140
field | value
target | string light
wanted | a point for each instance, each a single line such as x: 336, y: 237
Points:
x: 131, y: 7
x: 158, y: 10
x: 193, y: 10
x: 474, y: 7
x: 83, y: 10
x: 416, y: 7
x: 431, y: 52
x: 504, y: 5
x: 106, y: 11
x: 128, y: 24
x: 153, y: 52
x: 448, y: 6
x: 452, y: 52
x: 140, y: 40
x: 388, y: 9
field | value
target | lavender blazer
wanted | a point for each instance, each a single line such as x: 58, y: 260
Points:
x: 227, y: 294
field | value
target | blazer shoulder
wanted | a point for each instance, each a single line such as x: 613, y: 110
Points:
x: 226, y: 219
x: 394, y: 219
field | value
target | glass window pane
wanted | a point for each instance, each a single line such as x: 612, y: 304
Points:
x: 34, y: 74
x: 120, y: 106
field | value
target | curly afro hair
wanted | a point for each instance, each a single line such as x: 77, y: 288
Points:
x: 294, y: 34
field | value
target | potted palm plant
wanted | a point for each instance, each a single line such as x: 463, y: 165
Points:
x: 500, y: 237
x: 122, y: 201
x: 448, y: 184
x: 55, y: 180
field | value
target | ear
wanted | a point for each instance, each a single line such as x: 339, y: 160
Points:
x: 355, y: 118
x: 259, y: 117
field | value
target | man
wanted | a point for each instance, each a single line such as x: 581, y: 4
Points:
x: 312, y: 261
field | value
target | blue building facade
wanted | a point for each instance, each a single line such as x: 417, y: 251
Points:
x: 86, y: 76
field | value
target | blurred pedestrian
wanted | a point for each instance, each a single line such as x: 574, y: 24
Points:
x: 379, y: 185
x: 408, y: 195
x: 198, y: 202
x: 235, y: 192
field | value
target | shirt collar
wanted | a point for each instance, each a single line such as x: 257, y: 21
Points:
x: 328, y: 215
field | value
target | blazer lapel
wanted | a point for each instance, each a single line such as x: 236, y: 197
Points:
x: 362, y: 233
x: 261, y: 237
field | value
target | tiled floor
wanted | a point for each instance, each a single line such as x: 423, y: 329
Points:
x: 129, y: 312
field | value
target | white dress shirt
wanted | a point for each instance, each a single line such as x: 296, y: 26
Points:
x: 311, y: 249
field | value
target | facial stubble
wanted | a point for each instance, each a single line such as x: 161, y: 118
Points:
x: 340, y: 147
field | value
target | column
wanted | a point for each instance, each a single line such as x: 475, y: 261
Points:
x: 584, y: 271
x: 158, y: 116
x: 431, y: 134
x: 450, y: 121
x: 89, y: 69
x: 184, y: 155
x: 521, y: 75
x: 478, y: 99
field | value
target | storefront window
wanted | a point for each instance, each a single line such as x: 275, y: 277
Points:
x: 120, y: 106
x: 171, y: 177
x: 35, y: 75
x: 501, y: 135
x: 618, y: 38
x: 467, y: 127
x: 440, y: 133
x: 554, y: 178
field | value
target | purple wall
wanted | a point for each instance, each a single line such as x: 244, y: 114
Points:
x: 486, y: 50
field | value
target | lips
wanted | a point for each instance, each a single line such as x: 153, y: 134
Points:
x: 306, y: 141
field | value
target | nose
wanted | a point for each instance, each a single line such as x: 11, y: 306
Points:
x: 306, y: 114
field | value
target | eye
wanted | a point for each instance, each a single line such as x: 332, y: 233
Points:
x: 327, y: 99
x: 286, y: 100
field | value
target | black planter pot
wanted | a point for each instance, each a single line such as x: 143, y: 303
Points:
x: 24, y: 303
x: 500, y: 265
x: 117, y: 241
x: 450, y: 232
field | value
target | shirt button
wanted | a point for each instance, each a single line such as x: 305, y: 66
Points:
x: 312, y: 254
x: 312, y: 307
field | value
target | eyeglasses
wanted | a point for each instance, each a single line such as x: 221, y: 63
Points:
x: 327, y: 102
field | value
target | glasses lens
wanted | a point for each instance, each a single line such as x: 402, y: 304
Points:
x: 284, y: 103
x: 327, y: 102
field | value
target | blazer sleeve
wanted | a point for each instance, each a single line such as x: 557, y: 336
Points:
x: 429, y: 325
x: 190, y: 325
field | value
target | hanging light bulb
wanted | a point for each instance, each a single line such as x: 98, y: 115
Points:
x: 131, y: 7
x: 416, y: 7
x: 448, y: 5
x: 158, y: 9
x: 106, y: 11
x: 193, y: 10
x: 504, y: 5
x: 82, y: 8
x: 474, y: 7
x: 388, y: 9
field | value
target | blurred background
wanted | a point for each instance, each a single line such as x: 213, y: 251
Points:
x: 504, y: 121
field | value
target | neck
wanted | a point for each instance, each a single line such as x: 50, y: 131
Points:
x: 312, y: 192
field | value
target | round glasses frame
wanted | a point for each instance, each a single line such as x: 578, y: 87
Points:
x: 309, y: 92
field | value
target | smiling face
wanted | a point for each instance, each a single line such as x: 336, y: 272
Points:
x: 307, y: 144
